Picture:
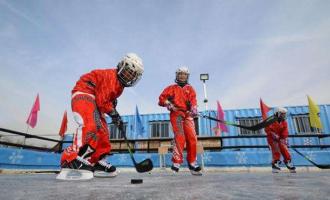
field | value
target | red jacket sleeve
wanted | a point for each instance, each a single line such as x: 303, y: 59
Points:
x: 281, y: 129
x: 284, y: 130
x: 165, y: 95
x: 108, y: 89
x: 104, y: 106
x: 268, y: 129
x: 192, y: 97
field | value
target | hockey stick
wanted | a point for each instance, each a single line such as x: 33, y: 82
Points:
x: 315, y: 164
x: 141, y: 167
x: 256, y: 127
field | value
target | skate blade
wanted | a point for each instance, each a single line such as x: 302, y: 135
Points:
x: 292, y: 171
x: 174, y: 172
x: 275, y: 171
x: 102, y: 174
x: 74, y: 175
x: 196, y: 173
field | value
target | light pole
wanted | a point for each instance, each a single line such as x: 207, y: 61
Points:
x: 204, y: 78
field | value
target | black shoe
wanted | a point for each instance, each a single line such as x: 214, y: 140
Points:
x: 175, y: 168
x: 195, y: 169
x: 104, y: 169
x: 290, y: 166
x: 78, y: 163
x: 276, y: 166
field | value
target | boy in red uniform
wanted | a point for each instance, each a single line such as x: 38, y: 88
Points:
x: 180, y: 100
x: 94, y: 95
x: 277, y: 134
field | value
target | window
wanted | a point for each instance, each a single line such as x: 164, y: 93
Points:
x: 303, y: 125
x: 114, y: 132
x: 160, y: 129
x: 250, y: 121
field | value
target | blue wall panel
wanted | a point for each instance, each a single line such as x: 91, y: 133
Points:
x: 206, y: 126
x: 12, y: 158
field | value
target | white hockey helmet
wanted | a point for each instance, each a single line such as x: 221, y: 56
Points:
x: 182, y: 70
x: 130, y: 69
x: 280, y: 112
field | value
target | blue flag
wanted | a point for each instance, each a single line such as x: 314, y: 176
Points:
x: 138, y: 129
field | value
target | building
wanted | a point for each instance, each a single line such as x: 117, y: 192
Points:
x: 157, y: 126
x: 236, y: 148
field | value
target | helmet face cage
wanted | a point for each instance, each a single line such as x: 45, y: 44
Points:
x: 128, y: 74
x: 281, y: 113
x: 181, y: 70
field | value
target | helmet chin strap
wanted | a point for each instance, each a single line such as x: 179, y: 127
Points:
x: 182, y: 84
x: 280, y: 118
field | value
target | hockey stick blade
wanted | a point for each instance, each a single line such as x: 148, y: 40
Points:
x: 264, y: 123
x: 144, y: 166
x: 256, y: 127
x: 315, y: 164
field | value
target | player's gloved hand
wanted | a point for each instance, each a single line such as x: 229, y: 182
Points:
x: 114, y: 103
x: 194, y: 112
x: 275, y: 136
x: 284, y: 141
x: 116, y: 119
x: 170, y: 106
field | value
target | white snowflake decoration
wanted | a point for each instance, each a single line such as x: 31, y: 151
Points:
x: 241, y: 157
x: 207, y: 157
x: 16, y: 157
x: 308, y: 141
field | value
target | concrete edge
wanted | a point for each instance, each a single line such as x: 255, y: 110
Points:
x: 183, y: 169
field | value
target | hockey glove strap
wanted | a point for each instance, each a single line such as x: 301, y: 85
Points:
x: 116, y: 119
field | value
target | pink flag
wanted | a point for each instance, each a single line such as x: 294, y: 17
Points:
x: 220, y: 116
x: 32, y: 119
x: 264, y: 109
x: 63, y: 124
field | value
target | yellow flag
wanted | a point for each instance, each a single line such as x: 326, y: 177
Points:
x: 313, y: 114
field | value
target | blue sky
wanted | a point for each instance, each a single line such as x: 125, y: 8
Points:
x: 277, y: 50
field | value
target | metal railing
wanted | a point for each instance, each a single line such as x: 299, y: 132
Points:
x: 151, y: 145
x: 56, y: 148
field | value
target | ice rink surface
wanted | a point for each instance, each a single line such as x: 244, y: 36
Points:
x: 162, y: 184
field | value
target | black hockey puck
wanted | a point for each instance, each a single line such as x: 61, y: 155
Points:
x: 136, y: 181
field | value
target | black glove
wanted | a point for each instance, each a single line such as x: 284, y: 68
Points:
x: 116, y: 119
x: 114, y: 103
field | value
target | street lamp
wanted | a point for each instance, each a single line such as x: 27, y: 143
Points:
x: 204, y: 77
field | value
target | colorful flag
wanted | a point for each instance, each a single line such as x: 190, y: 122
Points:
x: 33, y: 116
x: 314, y: 114
x: 264, y: 109
x: 220, y: 116
x: 138, y: 129
x: 64, y: 125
